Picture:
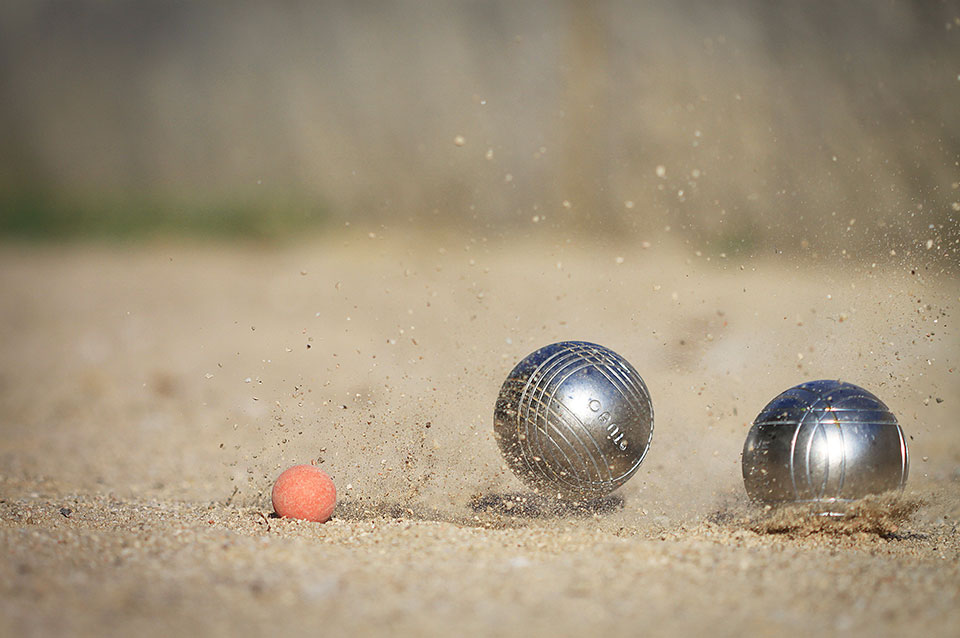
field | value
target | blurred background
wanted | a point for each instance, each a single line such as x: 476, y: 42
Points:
x: 738, y: 127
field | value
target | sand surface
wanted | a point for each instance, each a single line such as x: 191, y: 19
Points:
x: 150, y: 394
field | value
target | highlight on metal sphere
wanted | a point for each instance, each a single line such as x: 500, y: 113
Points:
x: 574, y: 419
x: 824, y: 442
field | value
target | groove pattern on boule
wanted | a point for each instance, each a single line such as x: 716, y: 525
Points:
x: 574, y: 418
x: 824, y: 442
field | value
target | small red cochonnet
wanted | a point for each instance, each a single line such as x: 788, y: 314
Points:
x: 304, y: 492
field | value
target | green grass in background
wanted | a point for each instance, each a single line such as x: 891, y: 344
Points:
x: 38, y: 214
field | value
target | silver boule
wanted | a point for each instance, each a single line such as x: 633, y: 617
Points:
x: 825, y: 442
x: 574, y: 419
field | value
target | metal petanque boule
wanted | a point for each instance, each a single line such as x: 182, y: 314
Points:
x: 574, y: 419
x: 825, y: 443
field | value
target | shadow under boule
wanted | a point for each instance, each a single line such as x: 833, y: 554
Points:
x: 533, y: 505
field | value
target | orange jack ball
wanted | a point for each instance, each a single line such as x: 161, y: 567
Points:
x: 305, y: 492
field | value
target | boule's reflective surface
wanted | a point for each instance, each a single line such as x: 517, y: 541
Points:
x: 575, y: 419
x: 824, y: 442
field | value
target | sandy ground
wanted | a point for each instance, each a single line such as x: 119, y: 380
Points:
x: 149, y: 395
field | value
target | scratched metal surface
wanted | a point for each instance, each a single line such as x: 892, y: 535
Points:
x: 575, y: 419
x: 824, y: 441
